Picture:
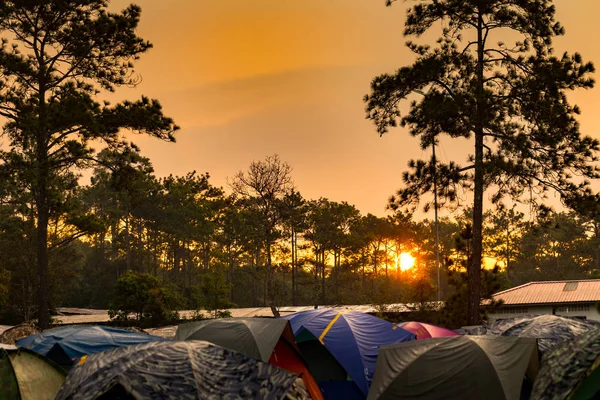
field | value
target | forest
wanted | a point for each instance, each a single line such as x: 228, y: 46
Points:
x: 258, y: 242
x: 85, y: 222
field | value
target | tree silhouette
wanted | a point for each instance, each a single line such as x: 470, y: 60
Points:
x: 508, y: 99
x: 266, y: 183
x: 59, y: 57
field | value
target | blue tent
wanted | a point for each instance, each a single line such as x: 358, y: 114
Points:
x: 352, y: 337
x: 67, y: 344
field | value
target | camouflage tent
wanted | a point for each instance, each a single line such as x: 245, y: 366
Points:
x: 571, y: 370
x: 14, y: 333
x: 26, y: 375
x: 548, y: 329
x: 178, y: 370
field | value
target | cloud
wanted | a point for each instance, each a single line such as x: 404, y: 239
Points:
x: 222, y: 103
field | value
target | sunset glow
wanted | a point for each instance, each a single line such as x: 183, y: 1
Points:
x: 406, y: 261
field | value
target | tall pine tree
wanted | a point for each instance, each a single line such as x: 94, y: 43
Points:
x: 56, y: 57
x: 509, y: 99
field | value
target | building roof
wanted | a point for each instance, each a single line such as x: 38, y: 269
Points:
x: 552, y: 292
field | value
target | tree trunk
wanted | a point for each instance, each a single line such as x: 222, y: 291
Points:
x: 507, y: 246
x: 474, y: 270
x: 316, y: 278
x: 42, y: 250
x: 128, y: 242
x: 270, y: 276
x: 42, y: 204
x: 323, y: 277
x: 294, y: 294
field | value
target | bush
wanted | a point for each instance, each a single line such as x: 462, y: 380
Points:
x: 215, y: 290
x: 151, y: 301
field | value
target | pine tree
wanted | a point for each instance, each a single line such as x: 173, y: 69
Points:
x: 56, y: 57
x: 509, y: 100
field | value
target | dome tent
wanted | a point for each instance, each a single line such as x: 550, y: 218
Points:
x: 348, y: 343
x: 458, y: 367
x: 426, y: 331
x: 571, y: 370
x: 548, y: 329
x: 178, y: 370
x: 267, y: 339
x: 27, y: 375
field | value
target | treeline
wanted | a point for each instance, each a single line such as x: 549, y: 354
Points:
x: 260, y: 243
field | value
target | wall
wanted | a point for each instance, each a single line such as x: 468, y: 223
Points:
x: 586, y: 310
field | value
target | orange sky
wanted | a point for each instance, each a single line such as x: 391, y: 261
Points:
x: 250, y: 78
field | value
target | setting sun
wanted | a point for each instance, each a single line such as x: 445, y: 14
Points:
x: 406, y: 261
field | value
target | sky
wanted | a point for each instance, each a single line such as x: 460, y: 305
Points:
x: 247, y: 79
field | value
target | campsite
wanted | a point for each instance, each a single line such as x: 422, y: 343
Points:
x: 317, y: 354
x: 299, y: 199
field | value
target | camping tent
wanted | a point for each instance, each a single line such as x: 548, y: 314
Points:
x: 67, y: 344
x: 426, y: 331
x: 352, y: 338
x: 26, y: 375
x: 178, y: 370
x: 548, y: 329
x: 267, y: 339
x: 571, y: 370
x: 458, y: 367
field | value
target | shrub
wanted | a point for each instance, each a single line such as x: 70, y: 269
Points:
x: 150, y: 301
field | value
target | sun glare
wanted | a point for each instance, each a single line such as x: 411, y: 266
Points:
x: 406, y: 261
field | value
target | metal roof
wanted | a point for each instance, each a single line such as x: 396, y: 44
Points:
x: 552, y: 292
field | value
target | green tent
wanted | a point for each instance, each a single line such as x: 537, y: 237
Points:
x: 571, y: 370
x: 26, y: 375
x: 458, y: 367
x: 254, y: 337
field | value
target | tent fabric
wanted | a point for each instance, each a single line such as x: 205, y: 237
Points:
x: 285, y: 356
x: 26, y: 375
x: 344, y: 390
x: 426, y: 331
x: 352, y: 337
x: 266, y: 339
x: 322, y: 364
x: 571, y: 370
x: 458, y: 367
x: 254, y: 337
x: 548, y: 329
x: 65, y: 345
x: 179, y: 370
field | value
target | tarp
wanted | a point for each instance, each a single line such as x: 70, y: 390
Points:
x: 266, y: 339
x: 352, y: 337
x: 459, y: 367
x: 426, y: 331
x: 571, y: 370
x: 26, y: 375
x: 67, y: 344
x: 179, y: 370
x: 548, y: 329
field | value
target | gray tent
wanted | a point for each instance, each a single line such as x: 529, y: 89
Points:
x: 178, y: 370
x: 267, y: 339
x: 459, y: 367
x: 254, y: 337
